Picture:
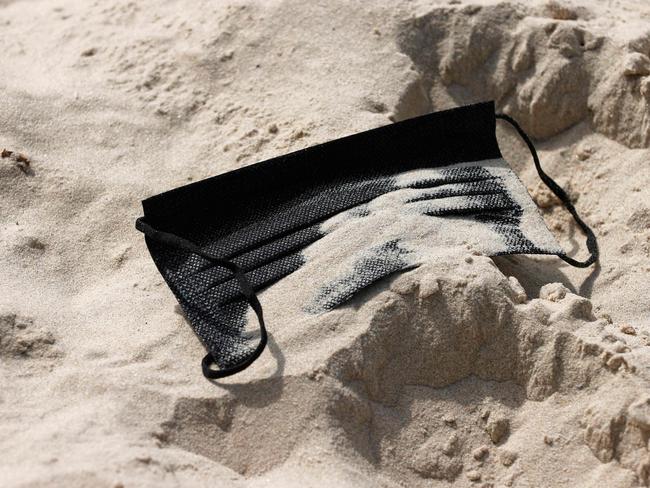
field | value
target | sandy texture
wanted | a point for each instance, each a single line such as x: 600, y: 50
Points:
x: 467, y: 371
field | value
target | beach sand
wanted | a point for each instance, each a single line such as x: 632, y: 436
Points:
x: 467, y: 371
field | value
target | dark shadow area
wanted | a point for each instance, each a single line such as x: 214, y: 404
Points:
x: 587, y: 286
x: 252, y: 412
x: 249, y: 392
x: 533, y: 273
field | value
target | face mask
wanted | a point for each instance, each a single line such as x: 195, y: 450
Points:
x: 364, y: 206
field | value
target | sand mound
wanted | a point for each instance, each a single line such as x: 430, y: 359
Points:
x: 430, y: 382
x: 549, y: 70
x: 467, y: 371
x: 19, y: 338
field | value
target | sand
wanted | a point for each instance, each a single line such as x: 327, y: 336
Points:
x: 467, y: 371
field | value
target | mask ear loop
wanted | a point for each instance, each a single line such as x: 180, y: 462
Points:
x: 592, y: 244
x: 244, y: 285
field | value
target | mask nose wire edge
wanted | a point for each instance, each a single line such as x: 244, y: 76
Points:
x: 592, y: 244
x: 245, y: 287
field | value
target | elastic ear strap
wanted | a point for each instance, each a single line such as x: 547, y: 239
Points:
x: 245, y: 287
x: 592, y: 244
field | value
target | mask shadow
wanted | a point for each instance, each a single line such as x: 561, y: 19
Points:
x: 248, y: 392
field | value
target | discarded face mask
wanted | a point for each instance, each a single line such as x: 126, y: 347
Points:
x: 375, y: 203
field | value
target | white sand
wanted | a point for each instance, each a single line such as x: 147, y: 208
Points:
x: 468, y: 371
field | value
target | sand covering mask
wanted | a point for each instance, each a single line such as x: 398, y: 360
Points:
x: 350, y: 212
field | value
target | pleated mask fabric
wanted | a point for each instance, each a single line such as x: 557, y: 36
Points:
x: 376, y: 203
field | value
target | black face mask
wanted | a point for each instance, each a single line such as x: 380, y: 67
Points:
x: 378, y: 201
